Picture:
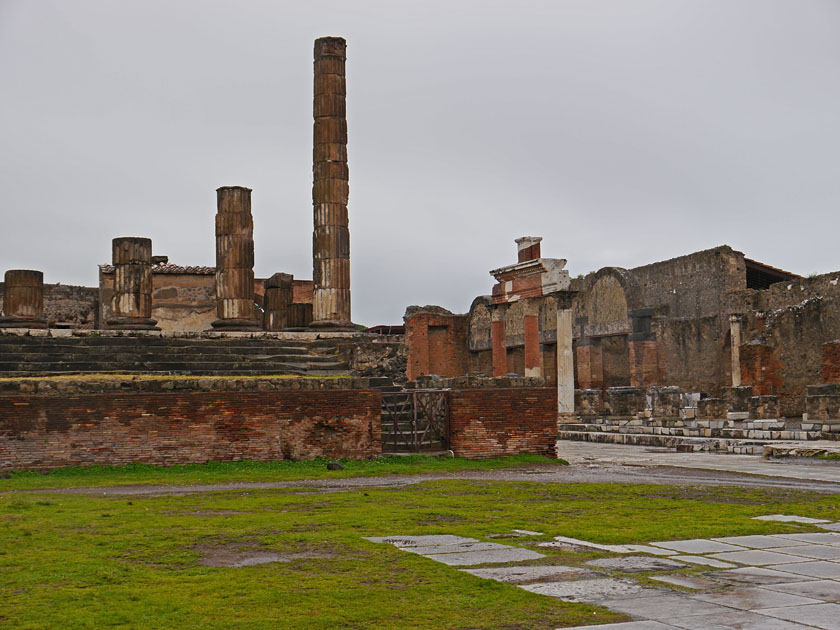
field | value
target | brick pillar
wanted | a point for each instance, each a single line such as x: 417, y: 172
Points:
x: 234, y: 260
x: 565, y: 366
x: 278, y: 297
x: 582, y: 359
x: 131, y: 305
x: 331, y: 189
x: 528, y: 248
x: 643, y: 350
x: 497, y: 334
x: 23, y: 303
x: 761, y: 369
x: 533, y: 355
x: 830, y: 362
x: 735, y: 335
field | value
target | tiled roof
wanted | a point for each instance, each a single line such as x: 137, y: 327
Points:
x: 170, y: 268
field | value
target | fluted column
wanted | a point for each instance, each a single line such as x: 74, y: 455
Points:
x: 331, y: 189
x: 131, y: 306
x: 23, y: 302
x: 278, y: 297
x: 234, y: 260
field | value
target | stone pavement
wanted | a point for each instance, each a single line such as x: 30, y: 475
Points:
x: 583, y: 453
x: 759, y: 582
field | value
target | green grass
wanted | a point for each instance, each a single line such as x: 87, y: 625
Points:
x: 88, y: 561
x: 225, y: 472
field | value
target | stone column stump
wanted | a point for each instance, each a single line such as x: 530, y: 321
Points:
x: 278, y: 298
x: 235, y: 261
x: 131, y: 306
x: 23, y: 304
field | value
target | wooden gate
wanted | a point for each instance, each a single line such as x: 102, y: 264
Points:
x: 415, y: 421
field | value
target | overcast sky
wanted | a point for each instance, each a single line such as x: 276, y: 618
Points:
x: 623, y: 132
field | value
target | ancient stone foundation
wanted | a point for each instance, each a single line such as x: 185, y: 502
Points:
x: 276, y: 302
x: 234, y: 260
x: 331, y: 189
x: 23, y: 303
x: 131, y: 305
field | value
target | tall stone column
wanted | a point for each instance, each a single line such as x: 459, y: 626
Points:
x: 497, y: 338
x: 331, y: 189
x: 531, y: 326
x: 234, y: 260
x: 278, y: 297
x: 131, y: 305
x: 565, y: 365
x: 23, y: 302
x: 735, y: 335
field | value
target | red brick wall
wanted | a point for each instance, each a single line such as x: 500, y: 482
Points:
x: 644, y: 364
x: 437, y: 344
x: 39, y: 432
x: 831, y: 362
x: 496, y: 422
x: 761, y: 369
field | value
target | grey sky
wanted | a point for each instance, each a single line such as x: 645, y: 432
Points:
x: 623, y: 132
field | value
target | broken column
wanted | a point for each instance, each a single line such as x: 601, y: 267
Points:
x: 131, y: 305
x: 234, y: 260
x: 278, y: 297
x: 331, y: 189
x: 497, y: 336
x: 23, y: 303
x: 735, y: 336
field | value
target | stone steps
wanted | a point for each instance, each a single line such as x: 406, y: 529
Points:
x: 719, y: 445
x: 37, y: 356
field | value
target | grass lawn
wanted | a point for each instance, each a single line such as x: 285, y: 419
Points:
x: 87, y: 561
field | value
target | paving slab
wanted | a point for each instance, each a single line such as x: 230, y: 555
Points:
x: 637, y: 564
x: 755, y: 597
x: 697, y: 546
x: 629, y: 625
x: 520, y: 574
x: 756, y: 557
x: 736, y: 620
x: 527, y: 532
x: 834, y: 527
x: 790, y: 518
x: 656, y: 551
x: 757, y: 541
x: 757, y: 576
x: 813, y: 568
x: 826, y: 590
x: 824, y: 616
x: 824, y: 538
x: 564, y: 540
x: 416, y: 541
x: 491, y: 556
x: 592, y: 591
x: 458, y: 548
x: 709, y: 562
x: 818, y: 552
x: 687, y: 581
x: 665, y: 607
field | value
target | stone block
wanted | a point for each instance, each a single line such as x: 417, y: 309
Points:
x: 823, y: 403
x: 624, y: 401
x: 763, y: 407
x: 737, y: 398
x: 665, y: 401
x: 712, y: 409
x: 589, y: 402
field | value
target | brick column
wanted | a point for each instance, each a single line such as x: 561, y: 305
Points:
x: 735, y: 335
x: 131, y: 305
x: 331, y: 189
x: 497, y: 335
x: 830, y: 362
x: 23, y: 302
x: 533, y: 356
x: 234, y: 260
x: 278, y: 297
x: 643, y: 350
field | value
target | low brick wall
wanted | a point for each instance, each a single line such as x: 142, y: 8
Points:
x: 44, y: 432
x: 492, y: 422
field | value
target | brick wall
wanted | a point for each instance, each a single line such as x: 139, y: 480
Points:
x: 831, y: 362
x: 498, y: 422
x: 42, y: 432
x: 437, y: 344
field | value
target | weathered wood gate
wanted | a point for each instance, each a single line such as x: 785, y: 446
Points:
x: 415, y: 421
